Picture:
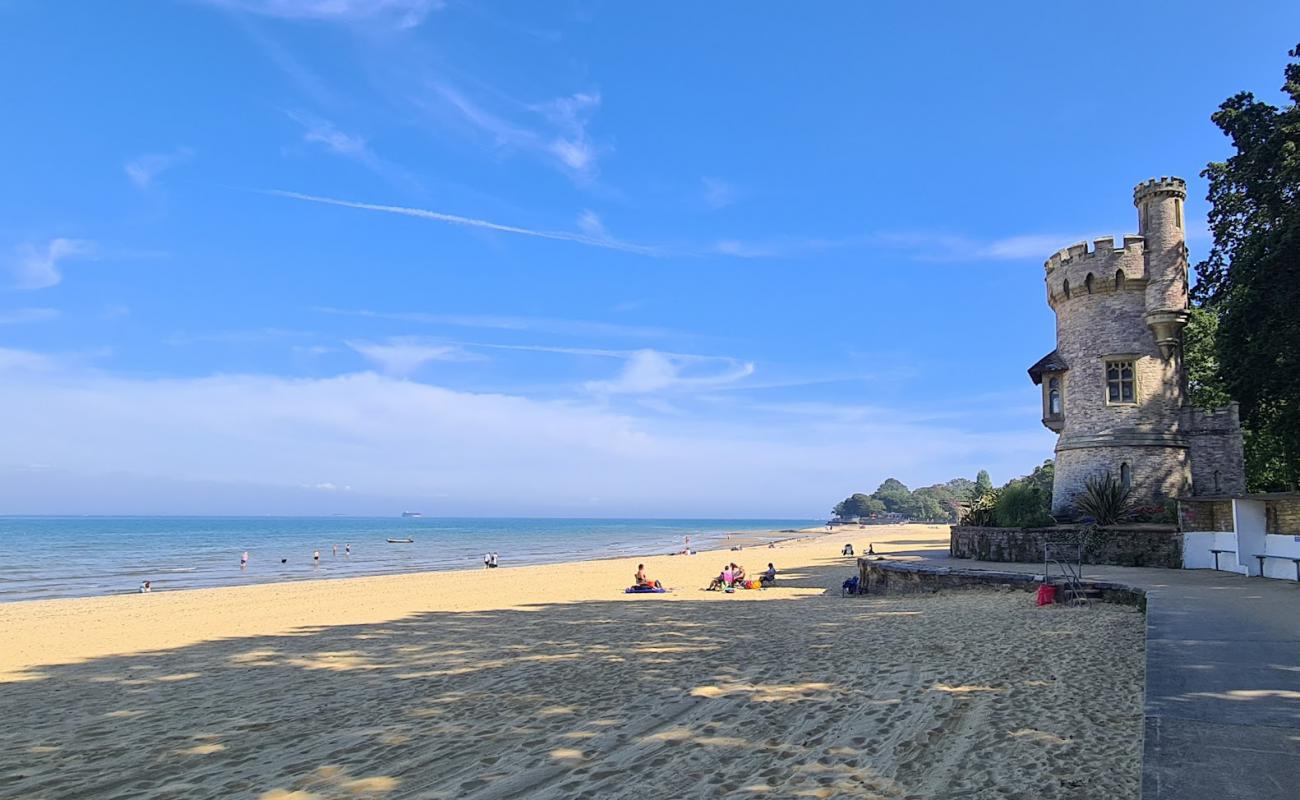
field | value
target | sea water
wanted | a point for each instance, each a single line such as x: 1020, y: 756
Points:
x: 46, y: 557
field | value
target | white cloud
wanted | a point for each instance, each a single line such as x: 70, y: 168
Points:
x: 558, y: 129
x: 144, y: 169
x: 469, y: 222
x: 718, y: 193
x: 916, y: 245
x: 21, y: 316
x: 562, y: 327
x: 324, y: 133
x: 404, y: 355
x: 113, y: 444
x: 571, y: 143
x: 649, y: 371
x: 399, y: 13
x: 590, y: 224
x: 37, y: 267
x: 21, y: 360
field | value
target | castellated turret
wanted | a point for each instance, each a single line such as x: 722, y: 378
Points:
x: 1114, y: 387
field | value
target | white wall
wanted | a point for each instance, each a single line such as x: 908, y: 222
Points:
x: 1197, y: 555
x: 1250, y: 519
x: 1277, y: 545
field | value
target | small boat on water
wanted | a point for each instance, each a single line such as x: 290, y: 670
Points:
x: 407, y: 540
x: 412, y: 514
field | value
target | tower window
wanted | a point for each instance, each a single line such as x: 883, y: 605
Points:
x: 1087, y: 283
x: 1119, y: 383
x: 1125, y: 476
x: 1066, y: 288
x: 1054, y: 397
x: 1119, y: 279
x: 1178, y: 213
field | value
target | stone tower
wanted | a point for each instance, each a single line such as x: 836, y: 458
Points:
x: 1114, y: 387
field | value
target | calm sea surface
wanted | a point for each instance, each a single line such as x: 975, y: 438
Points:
x: 78, y: 556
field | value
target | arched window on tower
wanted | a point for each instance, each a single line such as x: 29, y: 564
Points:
x: 1087, y: 283
x: 1054, y: 397
x: 1125, y: 476
x: 1065, y: 288
x: 1119, y: 279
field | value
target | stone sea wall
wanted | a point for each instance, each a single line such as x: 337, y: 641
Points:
x: 1124, y: 546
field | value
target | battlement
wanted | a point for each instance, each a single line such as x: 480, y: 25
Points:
x: 1103, y: 249
x: 1079, y: 270
x: 1162, y: 186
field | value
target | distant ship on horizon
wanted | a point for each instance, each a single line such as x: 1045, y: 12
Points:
x: 412, y: 514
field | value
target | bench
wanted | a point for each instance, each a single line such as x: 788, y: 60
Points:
x: 1216, y: 556
x: 1262, y: 556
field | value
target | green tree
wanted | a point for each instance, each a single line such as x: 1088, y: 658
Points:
x: 983, y: 485
x: 1205, y: 387
x: 1251, y: 279
x: 933, y: 504
x: 962, y: 488
x: 1022, y: 504
x: 894, y: 494
x: 858, y: 505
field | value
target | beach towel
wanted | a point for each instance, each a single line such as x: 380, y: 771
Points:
x: 644, y: 590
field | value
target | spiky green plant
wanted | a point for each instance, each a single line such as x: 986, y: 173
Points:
x: 1105, y: 498
x: 983, y: 511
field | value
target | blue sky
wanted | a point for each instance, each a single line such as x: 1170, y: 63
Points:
x: 570, y: 258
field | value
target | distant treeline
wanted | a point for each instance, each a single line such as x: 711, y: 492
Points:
x: 1028, y: 499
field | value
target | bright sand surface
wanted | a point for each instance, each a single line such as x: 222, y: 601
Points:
x: 549, y: 682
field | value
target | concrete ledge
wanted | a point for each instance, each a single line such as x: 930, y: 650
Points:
x: 910, y: 577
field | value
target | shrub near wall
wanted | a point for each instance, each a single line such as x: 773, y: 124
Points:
x: 1124, y: 546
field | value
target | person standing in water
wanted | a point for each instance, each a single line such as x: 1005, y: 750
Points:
x: 243, y: 560
x: 334, y: 550
x: 315, y: 557
x: 146, y: 587
x: 347, y: 550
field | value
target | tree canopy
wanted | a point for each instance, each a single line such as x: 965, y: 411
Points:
x: 1250, y: 282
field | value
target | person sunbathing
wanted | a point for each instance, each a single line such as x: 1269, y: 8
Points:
x: 642, y: 580
x: 737, y: 575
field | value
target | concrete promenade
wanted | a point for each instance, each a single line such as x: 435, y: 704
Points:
x: 1222, y: 680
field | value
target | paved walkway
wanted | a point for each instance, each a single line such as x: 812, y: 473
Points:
x: 1222, y: 681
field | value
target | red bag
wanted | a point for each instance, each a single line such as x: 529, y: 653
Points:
x: 1046, y: 594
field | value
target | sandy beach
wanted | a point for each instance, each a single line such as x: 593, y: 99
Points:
x: 549, y: 682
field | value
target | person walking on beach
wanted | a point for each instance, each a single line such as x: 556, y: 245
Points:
x: 487, y: 561
x: 243, y: 560
x: 495, y: 560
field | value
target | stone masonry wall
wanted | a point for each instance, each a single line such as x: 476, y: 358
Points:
x: 1128, y: 546
x: 1283, y: 515
x: 1218, y: 462
x: 1158, y: 474
x: 1205, y: 515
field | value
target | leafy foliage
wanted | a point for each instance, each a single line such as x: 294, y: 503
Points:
x: 1201, y: 360
x: 983, y: 510
x: 983, y: 485
x: 1021, y: 504
x: 859, y: 505
x: 1251, y: 279
x: 1105, y: 499
x: 894, y: 494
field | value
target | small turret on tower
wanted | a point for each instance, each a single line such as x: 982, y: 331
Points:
x: 1160, y: 221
